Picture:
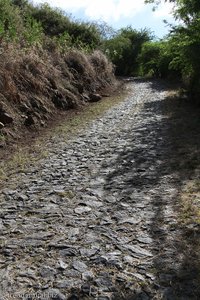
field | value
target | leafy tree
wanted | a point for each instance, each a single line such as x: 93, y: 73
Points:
x: 184, y: 43
x: 123, y: 49
x: 10, y: 21
x: 53, y: 20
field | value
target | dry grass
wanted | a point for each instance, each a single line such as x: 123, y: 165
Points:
x: 38, y: 84
x: 190, y: 203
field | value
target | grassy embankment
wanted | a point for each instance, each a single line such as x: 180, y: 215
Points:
x: 50, y: 65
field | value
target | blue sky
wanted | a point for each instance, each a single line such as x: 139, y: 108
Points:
x: 118, y: 13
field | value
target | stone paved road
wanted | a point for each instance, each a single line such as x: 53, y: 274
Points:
x: 97, y: 218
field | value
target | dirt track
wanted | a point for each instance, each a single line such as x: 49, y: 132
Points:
x: 98, y: 218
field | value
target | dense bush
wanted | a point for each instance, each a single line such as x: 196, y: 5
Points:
x: 183, y: 44
x: 10, y: 21
x: 27, y: 24
x: 124, y: 48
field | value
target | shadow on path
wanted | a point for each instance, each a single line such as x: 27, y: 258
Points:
x: 163, y: 153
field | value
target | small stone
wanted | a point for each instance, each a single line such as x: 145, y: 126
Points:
x: 22, y: 197
x: 88, y: 252
x: 139, y: 276
x: 145, y: 239
x: 62, y: 265
x: 132, y: 221
x: 71, y: 273
x: 88, y: 275
x: 103, y: 298
x: 100, y: 260
x: 128, y: 259
x: 47, y: 272
x: 73, y: 232
x: 94, y: 204
x: 68, y: 252
x: 63, y: 284
x: 79, y: 266
x: 104, y: 281
x: 5, y: 118
x: 29, y: 121
x: 55, y: 294
x: 86, y: 289
x: 95, y: 97
x: 82, y: 209
x: 138, y: 251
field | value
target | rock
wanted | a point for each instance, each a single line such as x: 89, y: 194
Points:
x: 62, y: 284
x: 29, y: 121
x: 138, y: 251
x: 71, y: 273
x: 128, y: 259
x: 73, y: 232
x: 1, y: 125
x: 68, y: 252
x: 104, y: 281
x: 47, y: 272
x: 94, y: 97
x: 88, y: 275
x: 24, y: 108
x: 85, y: 97
x: 85, y: 289
x: 62, y: 265
x: 82, y: 209
x: 145, y: 239
x: 79, y: 266
x: 22, y: 197
x: 138, y: 276
x: 94, y: 204
x: 132, y: 221
x: 5, y: 118
x: 88, y: 252
x: 100, y: 260
x: 55, y: 294
x: 104, y: 298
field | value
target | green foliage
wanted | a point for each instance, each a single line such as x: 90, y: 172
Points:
x: 84, y: 35
x: 149, y: 59
x: 33, y: 31
x: 30, y: 25
x: 56, y: 23
x: 124, y: 48
x: 63, y: 42
x: 10, y: 21
x: 184, y: 44
x: 116, y: 49
x: 157, y: 59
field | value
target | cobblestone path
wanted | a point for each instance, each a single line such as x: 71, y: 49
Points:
x: 97, y: 219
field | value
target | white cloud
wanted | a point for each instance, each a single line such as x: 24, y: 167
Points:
x: 108, y: 10
x: 114, y: 10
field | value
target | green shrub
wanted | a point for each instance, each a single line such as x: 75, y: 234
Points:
x: 10, y: 21
x: 124, y: 48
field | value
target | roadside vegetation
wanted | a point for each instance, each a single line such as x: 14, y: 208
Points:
x: 49, y: 63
